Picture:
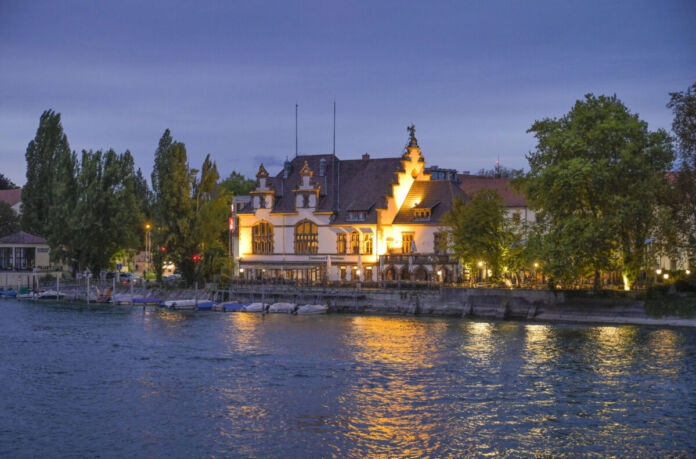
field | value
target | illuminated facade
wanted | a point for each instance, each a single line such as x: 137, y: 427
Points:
x: 368, y: 219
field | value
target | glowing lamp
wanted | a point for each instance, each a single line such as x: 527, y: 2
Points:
x: 357, y: 272
x: 658, y: 271
x: 148, y: 226
x: 480, y: 264
x: 241, y: 270
x: 688, y: 271
x: 665, y: 276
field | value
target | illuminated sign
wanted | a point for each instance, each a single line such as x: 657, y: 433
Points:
x: 231, y: 223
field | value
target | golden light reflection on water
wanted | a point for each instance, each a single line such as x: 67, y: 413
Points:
x: 386, y: 409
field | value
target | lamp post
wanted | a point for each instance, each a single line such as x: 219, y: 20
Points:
x: 148, y: 246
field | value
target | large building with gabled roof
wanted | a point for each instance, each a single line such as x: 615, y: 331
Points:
x: 369, y: 219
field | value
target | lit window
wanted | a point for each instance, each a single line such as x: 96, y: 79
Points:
x: 262, y: 238
x: 306, y: 237
x: 421, y: 215
x: 406, y: 243
x: 369, y: 243
x: 355, y: 242
x: 440, y: 242
x: 341, y: 243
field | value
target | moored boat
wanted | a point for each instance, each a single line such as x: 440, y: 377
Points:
x: 284, y: 308
x: 206, y: 305
x: 50, y: 295
x: 254, y: 307
x: 308, y: 309
x: 181, y: 305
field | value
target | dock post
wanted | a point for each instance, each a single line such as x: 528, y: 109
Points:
x: 87, y: 289
x: 57, y: 287
x: 113, y: 290
x: 131, y: 291
x: 195, y: 287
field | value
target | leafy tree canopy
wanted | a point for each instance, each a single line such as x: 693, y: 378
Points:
x: 6, y: 183
x: 500, y: 172
x: 238, y: 184
x: 595, y: 177
x: 9, y: 222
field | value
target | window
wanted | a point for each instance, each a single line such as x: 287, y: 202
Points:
x: 406, y: 242
x: 369, y: 243
x: 306, y: 240
x: 421, y: 215
x: 356, y: 216
x: 354, y: 242
x: 440, y: 242
x: 5, y: 258
x: 516, y: 218
x: 343, y: 273
x: 24, y: 258
x: 341, y: 243
x: 262, y: 238
x: 305, y: 200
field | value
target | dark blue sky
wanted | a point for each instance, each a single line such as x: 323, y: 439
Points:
x: 225, y: 76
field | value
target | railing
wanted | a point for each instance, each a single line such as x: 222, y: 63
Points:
x: 419, y: 259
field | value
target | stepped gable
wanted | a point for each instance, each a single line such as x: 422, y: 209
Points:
x: 22, y: 238
x: 436, y: 195
x: 471, y: 184
x: 365, y: 186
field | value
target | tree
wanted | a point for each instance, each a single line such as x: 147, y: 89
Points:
x: 106, y: 217
x: 500, y: 172
x: 478, y: 231
x: 595, y: 178
x: 189, y: 212
x: 683, y: 105
x: 49, y: 148
x: 238, y: 184
x: 6, y: 184
x: 9, y: 223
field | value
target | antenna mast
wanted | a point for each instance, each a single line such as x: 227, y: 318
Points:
x: 334, y: 129
x: 295, y: 130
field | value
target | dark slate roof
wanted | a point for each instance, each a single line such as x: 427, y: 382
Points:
x: 22, y: 238
x: 436, y: 195
x: 361, y: 184
x: 471, y: 184
x: 11, y: 197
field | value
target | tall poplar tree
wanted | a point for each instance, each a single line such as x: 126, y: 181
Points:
x: 49, y: 148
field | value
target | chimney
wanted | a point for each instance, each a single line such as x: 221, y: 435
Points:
x: 365, y: 157
x: 322, y: 167
x: 287, y: 167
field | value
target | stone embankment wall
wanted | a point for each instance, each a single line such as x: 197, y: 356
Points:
x: 456, y: 302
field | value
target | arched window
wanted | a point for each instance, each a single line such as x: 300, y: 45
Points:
x: 369, y: 242
x: 306, y: 240
x: 262, y: 238
x: 355, y: 242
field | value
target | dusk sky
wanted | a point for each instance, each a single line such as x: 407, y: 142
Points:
x: 225, y: 76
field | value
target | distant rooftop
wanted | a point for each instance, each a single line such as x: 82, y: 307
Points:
x: 471, y: 184
x: 22, y: 238
x: 11, y: 197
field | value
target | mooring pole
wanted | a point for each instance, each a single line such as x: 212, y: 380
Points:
x: 87, y: 289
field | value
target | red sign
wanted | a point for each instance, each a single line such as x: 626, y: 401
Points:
x: 231, y: 223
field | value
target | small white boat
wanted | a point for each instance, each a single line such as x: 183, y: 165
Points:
x: 50, y: 295
x: 312, y: 309
x: 181, y: 305
x: 26, y: 296
x: 285, y: 308
x: 123, y: 298
x: 254, y: 307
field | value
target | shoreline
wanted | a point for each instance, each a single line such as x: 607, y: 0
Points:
x: 531, y: 306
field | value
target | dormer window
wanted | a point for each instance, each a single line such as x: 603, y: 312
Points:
x: 422, y: 215
x: 356, y: 216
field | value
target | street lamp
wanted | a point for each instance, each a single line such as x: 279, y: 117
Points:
x: 665, y: 276
x: 658, y: 271
x: 688, y: 272
x: 148, y: 246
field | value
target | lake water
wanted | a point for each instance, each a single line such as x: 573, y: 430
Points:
x: 120, y: 382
